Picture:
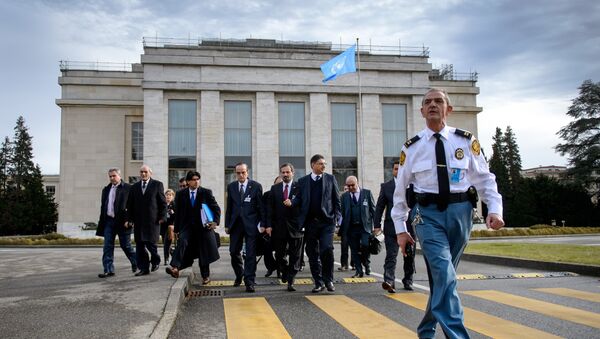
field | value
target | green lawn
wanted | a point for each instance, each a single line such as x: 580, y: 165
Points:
x: 577, y: 254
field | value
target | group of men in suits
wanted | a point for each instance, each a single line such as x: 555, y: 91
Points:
x: 141, y: 207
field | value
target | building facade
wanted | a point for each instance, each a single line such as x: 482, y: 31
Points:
x: 210, y: 104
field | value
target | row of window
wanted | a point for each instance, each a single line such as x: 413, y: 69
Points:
x: 238, y: 137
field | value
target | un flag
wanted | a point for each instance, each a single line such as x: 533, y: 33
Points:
x: 341, y: 64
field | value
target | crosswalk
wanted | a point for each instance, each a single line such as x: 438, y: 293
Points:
x: 245, y: 317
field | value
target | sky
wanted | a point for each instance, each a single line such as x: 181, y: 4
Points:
x: 531, y: 56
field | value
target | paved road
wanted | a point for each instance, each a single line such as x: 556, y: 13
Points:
x: 588, y: 240
x: 54, y: 293
x: 299, y: 315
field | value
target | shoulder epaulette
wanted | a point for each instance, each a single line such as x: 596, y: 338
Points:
x: 464, y: 134
x: 411, y: 141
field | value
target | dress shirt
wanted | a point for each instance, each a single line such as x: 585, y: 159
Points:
x: 110, y: 208
x: 314, y: 176
x: 465, y: 168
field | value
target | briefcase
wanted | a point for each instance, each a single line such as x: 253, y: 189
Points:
x: 374, y: 245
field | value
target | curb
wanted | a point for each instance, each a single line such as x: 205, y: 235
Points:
x: 176, y: 296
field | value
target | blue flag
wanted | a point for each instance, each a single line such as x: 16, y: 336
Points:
x: 341, y: 64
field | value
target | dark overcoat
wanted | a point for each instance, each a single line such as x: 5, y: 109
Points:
x: 147, y: 210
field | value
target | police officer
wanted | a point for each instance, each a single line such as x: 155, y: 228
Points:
x: 442, y: 163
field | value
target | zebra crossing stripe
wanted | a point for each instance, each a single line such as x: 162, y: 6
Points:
x: 360, y: 320
x: 571, y: 293
x: 252, y: 317
x: 477, y: 321
x: 552, y: 310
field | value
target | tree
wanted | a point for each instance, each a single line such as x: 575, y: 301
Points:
x: 582, y: 138
x: 26, y: 207
x: 513, y: 158
x: 5, y: 157
x: 498, y: 164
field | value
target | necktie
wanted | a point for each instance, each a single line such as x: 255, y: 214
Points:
x: 285, y: 192
x: 442, y: 173
x: 143, y: 187
x: 354, y: 198
x: 318, y: 178
x: 242, y: 191
x: 193, y: 198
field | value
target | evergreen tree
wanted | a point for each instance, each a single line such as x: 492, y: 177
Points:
x: 513, y: 158
x: 582, y: 138
x: 5, y: 159
x: 498, y: 164
x: 28, y: 209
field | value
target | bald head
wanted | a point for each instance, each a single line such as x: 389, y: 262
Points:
x: 352, y: 184
x: 145, y: 172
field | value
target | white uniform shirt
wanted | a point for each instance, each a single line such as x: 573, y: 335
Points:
x: 466, y: 167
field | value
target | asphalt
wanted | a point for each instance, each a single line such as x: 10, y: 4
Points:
x: 159, y: 312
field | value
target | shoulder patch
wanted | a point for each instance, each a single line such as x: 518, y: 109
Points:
x: 411, y: 141
x: 463, y: 133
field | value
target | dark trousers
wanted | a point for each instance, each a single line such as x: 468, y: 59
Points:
x: 344, y: 247
x: 293, y: 248
x: 143, y: 261
x: 247, y: 267
x: 183, y: 257
x: 166, y: 246
x: 319, y: 248
x: 108, y: 250
x: 359, y: 247
x: 268, y: 257
x: 391, y: 258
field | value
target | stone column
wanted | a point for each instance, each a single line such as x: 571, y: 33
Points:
x: 318, y: 129
x: 266, y: 159
x: 156, y: 134
x: 372, y: 159
x: 414, y: 119
x: 211, y: 146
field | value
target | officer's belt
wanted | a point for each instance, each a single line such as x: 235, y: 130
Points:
x: 432, y: 198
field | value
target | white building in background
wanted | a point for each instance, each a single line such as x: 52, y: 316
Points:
x: 209, y: 104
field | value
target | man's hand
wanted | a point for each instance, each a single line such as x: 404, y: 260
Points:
x: 494, y: 221
x: 377, y: 231
x: 261, y: 229
x: 287, y: 202
x: 403, y: 239
x: 126, y: 225
x: 226, y: 230
x: 269, y: 230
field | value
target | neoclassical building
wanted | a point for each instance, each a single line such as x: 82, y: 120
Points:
x: 209, y: 104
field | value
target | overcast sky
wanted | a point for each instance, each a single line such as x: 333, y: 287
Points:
x: 530, y: 55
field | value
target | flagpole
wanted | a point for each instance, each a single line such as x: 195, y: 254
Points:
x: 360, y: 114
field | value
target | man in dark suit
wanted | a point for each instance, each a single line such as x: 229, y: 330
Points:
x: 358, y: 208
x: 146, y: 208
x: 244, y: 219
x: 196, y: 238
x: 282, y: 224
x: 319, y: 201
x: 385, y: 201
x: 113, y: 211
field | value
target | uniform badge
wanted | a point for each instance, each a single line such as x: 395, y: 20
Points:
x: 475, y: 147
x: 402, y: 158
x: 459, y: 153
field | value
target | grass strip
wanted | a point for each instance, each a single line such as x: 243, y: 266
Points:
x: 575, y: 254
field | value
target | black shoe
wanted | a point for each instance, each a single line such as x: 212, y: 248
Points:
x: 269, y: 273
x: 407, y: 285
x: 133, y: 268
x: 317, y: 289
x: 140, y: 273
x: 343, y: 268
x: 388, y: 287
x: 237, y: 282
x: 284, y: 278
x: 330, y: 286
x: 368, y: 270
x: 250, y: 288
x: 358, y: 275
x: 279, y: 275
x: 291, y: 288
x: 154, y: 267
x: 106, y: 275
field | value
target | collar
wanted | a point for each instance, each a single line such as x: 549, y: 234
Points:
x: 357, y: 192
x: 445, y: 132
x: 195, y: 191
x: 245, y: 183
x: 314, y: 176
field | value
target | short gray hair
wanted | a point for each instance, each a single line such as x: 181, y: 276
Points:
x: 114, y: 169
x: 443, y: 91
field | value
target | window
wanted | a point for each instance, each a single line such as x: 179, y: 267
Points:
x: 238, y: 137
x: 182, y: 139
x: 394, y: 135
x: 291, y: 136
x: 343, y: 141
x: 137, y: 141
x: 50, y: 190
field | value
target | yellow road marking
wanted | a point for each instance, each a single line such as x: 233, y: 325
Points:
x: 220, y: 283
x: 477, y: 321
x: 252, y: 317
x: 359, y: 280
x: 302, y: 281
x: 360, y: 320
x: 546, y: 308
x: 527, y: 275
x: 568, y: 292
x: 471, y: 276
